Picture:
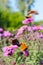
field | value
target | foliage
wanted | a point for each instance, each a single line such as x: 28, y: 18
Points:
x: 4, y: 4
x: 10, y: 20
x: 38, y: 22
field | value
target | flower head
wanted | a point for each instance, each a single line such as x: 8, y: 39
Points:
x: 9, y: 50
x: 27, y: 21
x: 21, y: 30
x: 29, y: 28
x: 1, y: 29
x: 26, y: 53
x: 35, y: 28
x: 7, y: 33
x: 41, y: 35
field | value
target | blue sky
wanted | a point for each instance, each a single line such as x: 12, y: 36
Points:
x: 38, y: 5
x: 13, y: 4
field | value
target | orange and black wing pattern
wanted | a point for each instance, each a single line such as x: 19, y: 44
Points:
x: 23, y: 46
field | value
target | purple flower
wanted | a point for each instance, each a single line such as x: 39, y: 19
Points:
x: 1, y: 29
x: 9, y: 50
x: 41, y: 35
x: 5, y: 48
x: 27, y: 21
x: 7, y: 33
x: 6, y: 54
x: 34, y: 28
x: 41, y: 27
x: 29, y: 28
x: 26, y: 53
x: 21, y: 30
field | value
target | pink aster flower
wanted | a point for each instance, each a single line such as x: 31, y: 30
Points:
x: 34, y: 28
x: 9, y: 50
x: 5, y: 48
x: 7, y: 33
x: 21, y: 30
x: 6, y: 54
x: 1, y: 29
x: 26, y: 53
x: 29, y: 28
x: 41, y: 35
x: 41, y: 27
x: 27, y: 21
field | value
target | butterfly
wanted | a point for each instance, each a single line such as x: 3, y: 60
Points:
x: 33, y: 12
x: 22, y: 46
x: 15, y: 42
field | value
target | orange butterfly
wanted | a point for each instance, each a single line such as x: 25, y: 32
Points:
x: 23, y: 46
